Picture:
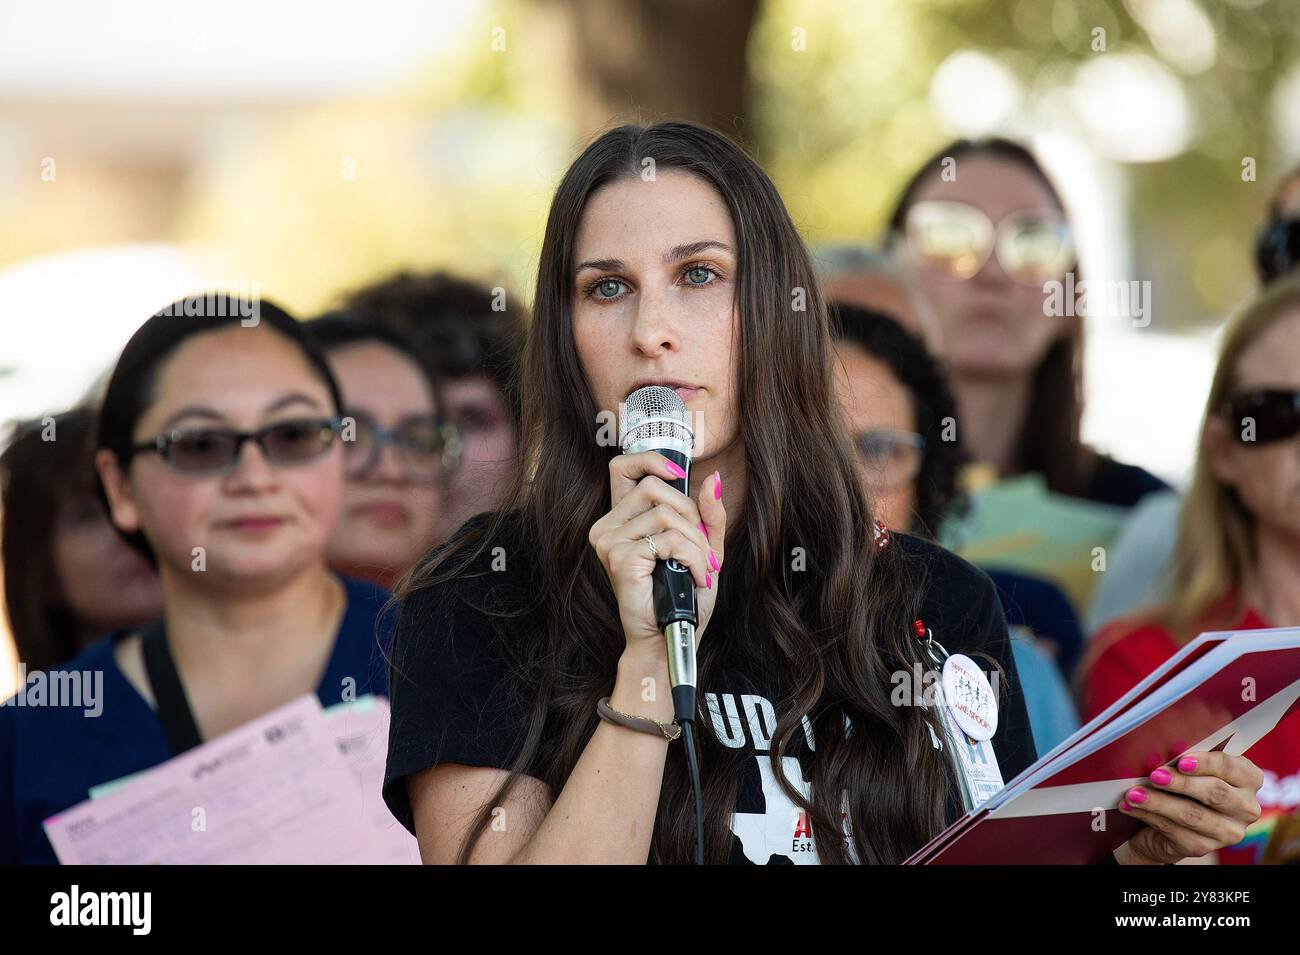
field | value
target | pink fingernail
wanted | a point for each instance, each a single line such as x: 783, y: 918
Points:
x: 1161, y: 777
x: 708, y: 581
x: 1137, y: 795
x: 713, y: 561
x: 1124, y: 806
x: 704, y: 530
x: 717, y: 486
x: 1187, y: 764
x: 674, y: 468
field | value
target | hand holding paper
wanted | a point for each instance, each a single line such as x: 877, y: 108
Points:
x: 1204, y: 802
x: 1222, y: 693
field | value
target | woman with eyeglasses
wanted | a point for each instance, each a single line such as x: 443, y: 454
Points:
x: 895, y: 401
x: 399, y: 452
x: 899, y: 409
x: 984, y: 230
x: 471, y: 335
x: 220, y: 459
x: 1237, y: 559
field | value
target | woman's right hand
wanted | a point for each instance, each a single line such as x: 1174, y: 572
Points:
x: 643, y: 503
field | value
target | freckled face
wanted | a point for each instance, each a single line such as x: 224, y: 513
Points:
x: 655, y: 298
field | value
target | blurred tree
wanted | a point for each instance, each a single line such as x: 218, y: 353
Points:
x: 836, y: 98
x: 642, y: 60
x: 844, y: 110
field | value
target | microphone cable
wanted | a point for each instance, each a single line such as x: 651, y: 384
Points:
x: 682, y: 635
x: 693, y: 770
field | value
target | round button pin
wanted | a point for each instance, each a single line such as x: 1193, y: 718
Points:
x: 970, y: 698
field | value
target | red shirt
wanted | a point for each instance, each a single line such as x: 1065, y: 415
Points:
x: 1131, y: 651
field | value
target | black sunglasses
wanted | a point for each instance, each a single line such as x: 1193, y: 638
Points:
x: 208, y: 450
x: 428, y: 447
x: 1263, y: 415
x: 1277, y: 249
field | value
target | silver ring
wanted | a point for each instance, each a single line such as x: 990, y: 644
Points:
x: 650, y: 539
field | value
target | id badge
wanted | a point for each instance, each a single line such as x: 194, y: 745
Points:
x: 976, y: 760
x: 969, y: 712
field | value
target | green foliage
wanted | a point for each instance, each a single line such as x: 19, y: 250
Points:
x: 843, y: 122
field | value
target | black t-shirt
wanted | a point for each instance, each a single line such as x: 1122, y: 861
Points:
x: 452, y: 701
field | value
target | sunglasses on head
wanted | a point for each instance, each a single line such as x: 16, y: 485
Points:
x: 1032, y: 246
x: 1264, y: 415
x: 1277, y: 250
x: 428, y: 447
x: 209, y: 450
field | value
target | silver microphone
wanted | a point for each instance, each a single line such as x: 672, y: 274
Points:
x: 655, y: 419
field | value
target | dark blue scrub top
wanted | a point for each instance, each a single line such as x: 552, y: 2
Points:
x: 51, y: 756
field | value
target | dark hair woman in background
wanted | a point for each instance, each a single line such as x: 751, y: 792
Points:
x: 399, y: 452
x: 983, y: 242
x: 900, y: 411
x: 471, y: 335
x: 669, y: 257
x: 898, y: 407
x: 68, y: 575
x: 219, y: 455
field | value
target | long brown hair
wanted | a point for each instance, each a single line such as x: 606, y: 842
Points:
x: 1215, y: 552
x: 37, y: 479
x: 1050, y: 441
x: 828, y: 636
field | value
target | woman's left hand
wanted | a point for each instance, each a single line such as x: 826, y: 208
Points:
x: 1202, y: 803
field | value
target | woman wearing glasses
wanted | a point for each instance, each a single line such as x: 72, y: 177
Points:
x: 897, y: 406
x: 398, y: 451
x: 985, y: 230
x: 219, y: 456
x: 470, y: 334
x: 1237, y: 560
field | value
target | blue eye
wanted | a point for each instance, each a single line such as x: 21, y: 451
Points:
x: 699, y: 275
x: 607, y: 288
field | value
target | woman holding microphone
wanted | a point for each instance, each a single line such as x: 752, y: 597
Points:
x: 531, y: 711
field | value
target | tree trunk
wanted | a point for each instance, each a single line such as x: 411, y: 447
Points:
x: 645, y: 60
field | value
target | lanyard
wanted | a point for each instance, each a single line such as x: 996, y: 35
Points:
x: 969, y: 723
x: 168, y: 691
